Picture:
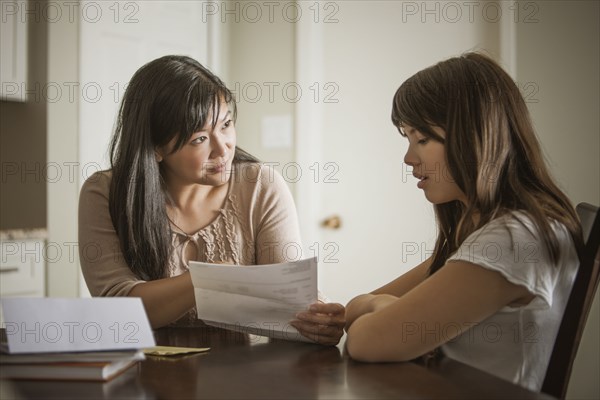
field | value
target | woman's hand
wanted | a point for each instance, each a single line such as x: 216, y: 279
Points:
x: 322, y: 322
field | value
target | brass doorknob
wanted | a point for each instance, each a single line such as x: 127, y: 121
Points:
x: 333, y: 222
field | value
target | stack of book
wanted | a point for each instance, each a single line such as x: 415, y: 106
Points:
x: 90, y: 339
x: 87, y: 366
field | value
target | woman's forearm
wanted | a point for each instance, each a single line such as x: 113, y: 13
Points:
x: 166, y: 300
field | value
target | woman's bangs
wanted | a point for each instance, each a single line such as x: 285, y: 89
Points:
x: 202, y: 97
x: 195, y: 113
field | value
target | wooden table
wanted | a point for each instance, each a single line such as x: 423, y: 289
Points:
x: 241, y: 366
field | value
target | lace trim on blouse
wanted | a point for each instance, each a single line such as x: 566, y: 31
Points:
x: 217, y: 242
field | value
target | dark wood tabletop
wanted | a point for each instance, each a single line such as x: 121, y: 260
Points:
x: 240, y: 366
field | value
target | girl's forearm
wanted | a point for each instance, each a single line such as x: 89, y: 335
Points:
x: 358, y: 306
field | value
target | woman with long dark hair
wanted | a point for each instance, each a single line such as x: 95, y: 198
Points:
x: 493, y: 293
x: 179, y: 189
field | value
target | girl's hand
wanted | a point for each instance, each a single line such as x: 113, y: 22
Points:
x: 366, y: 303
x: 322, y: 322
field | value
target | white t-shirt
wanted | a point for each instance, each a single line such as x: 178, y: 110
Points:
x: 516, y: 343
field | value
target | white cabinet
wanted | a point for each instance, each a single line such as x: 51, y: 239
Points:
x: 22, y: 268
x: 13, y: 51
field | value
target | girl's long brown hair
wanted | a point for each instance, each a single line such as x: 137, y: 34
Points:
x: 491, y: 150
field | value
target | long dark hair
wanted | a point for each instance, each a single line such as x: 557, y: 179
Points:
x: 491, y: 149
x: 168, y: 97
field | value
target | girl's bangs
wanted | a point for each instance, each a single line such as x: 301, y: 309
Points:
x: 411, y: 108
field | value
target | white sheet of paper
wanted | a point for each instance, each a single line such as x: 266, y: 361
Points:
x: 35, y: 325
x: 256, y: 299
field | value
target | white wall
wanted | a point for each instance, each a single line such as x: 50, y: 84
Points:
x: 261, y: 64
x: 558, y: 66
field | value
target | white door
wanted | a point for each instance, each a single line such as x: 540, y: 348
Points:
x: 358, y: 53
x: 116, y: 38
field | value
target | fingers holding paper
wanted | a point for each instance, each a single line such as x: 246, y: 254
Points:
x: 322, y: 322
